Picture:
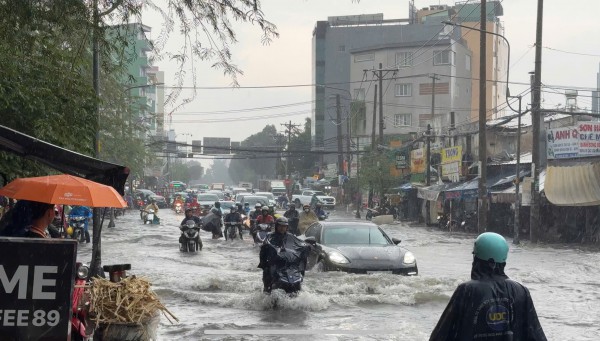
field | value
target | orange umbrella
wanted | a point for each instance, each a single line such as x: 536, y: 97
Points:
x: 63, y: 190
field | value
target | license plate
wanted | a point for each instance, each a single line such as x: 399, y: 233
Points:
x: 379, y: 272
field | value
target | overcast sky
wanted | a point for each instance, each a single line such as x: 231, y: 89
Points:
x: 568, y: 26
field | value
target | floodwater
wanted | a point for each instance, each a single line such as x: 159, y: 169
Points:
x: 216, y: 293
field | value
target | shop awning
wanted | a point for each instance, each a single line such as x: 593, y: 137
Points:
x: 62, y: 159
x: 576, y: 184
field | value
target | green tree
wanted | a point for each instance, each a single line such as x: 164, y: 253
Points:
x: 218, y: 173
x: 260, y: 151
x: 375, y: 171
x: 302, y: 163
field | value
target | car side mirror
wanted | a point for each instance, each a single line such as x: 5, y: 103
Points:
x: 396, y: 241
x: 311, y: 240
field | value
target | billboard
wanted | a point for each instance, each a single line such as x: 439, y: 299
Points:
x: 402, y: 159
x: 216, y: 145
x: 582, y: 140
x: 234, y: 146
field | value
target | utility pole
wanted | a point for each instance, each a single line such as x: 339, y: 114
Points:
x: 380, y: 74
x: 381, y: 104
x: 374, y: 118
x: 348, y: 151
x: 452, y: 128
x: 536, y: 118
x: 338, y: 112
x: 288, y: 130
x: 482, y: 186
x: 358, y: 193
x: 96, y: 262
x: 428, y: 172
x: 518, y: 180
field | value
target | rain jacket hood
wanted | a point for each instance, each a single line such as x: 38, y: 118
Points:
x: 489, y: 307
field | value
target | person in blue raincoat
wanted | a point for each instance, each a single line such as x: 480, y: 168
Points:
x: 82, y: 211
x: 490, y: 306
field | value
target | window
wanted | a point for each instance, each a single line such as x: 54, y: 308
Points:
x: 402, y: 120
x: 404, y: 59
x: 443, y: 57
x: 359, y: 94
x: 403, y: 90
x: 142, y: 71
x: 341, y: 48
x: 364, y: 57
x: 468, y: 65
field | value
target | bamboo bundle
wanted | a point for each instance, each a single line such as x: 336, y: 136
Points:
x: 130, y: 301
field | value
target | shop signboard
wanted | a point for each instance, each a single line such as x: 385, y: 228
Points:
x: 417, y: 161
x: 36, y: 284
x: 582, y: 140
x: 402, y: 159
x: 451, y: 159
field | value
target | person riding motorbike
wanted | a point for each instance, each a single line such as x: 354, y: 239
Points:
x: 82, y: 211
x: 263, y: 218
x: 233, y: 217
x: 278, y: 239
x: 314, y: 200
x: 272, y: 210
x: 190, y: 216
x: 319, y: 210
x: 178, y: 200
x: 306, y: 218
x: 247, y: 208
x: 240, y: 208
x: 282, y: 200
x: 490, y: 304
x: 152, y: 205
x: 292, y: 215
x: 257, y: 211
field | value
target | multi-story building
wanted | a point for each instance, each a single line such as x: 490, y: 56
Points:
x: 435, y: 49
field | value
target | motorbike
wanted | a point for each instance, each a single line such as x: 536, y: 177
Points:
x: 442, y: 220
x: 261, y: 232
x: 324, y: 215
x: 287, y: 265
x: 77, y: 224
x: 231, y: 228
x: 190, y: 237
x: 81, y: 328
x: 371, y: 213
x: 148, y: 217
x: 469, y: 222
x: 178, y: 208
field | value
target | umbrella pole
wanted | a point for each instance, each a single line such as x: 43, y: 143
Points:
x: 96, y: 264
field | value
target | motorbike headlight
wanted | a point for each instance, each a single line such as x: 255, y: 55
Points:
x: 409, y: 258
x: 83, y: 271
x: 338, y: 258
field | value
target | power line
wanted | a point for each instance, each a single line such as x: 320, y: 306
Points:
x: 571, y: 52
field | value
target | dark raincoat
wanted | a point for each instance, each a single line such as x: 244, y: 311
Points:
x: 489, y: 307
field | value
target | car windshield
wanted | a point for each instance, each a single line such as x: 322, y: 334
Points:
x: 349, y: 235
x: 226, y: 205
x: 266, y: 195
x: 219, y: 194
x: 253, y: 200
x: 319, y: 193
x: 208, y: 197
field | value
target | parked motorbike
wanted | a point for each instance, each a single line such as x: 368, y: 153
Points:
x: 149, y: 217
x: 76, y: 229
x: 81, y: 328
x: 190, y: 241
x: 262, y: 230
x: 231, y: 228
x: 371, y: 213
x: 442, y: 220
x: 178, y: 208
x: 469, y: 222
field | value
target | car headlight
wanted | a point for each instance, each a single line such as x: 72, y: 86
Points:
x: 338, y: 258
x: 409, y: 258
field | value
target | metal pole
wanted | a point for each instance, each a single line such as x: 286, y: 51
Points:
x: 518, y: 180
x: 358, y: 193
x: 482, y: 186
x: 374, y: 119
x: 381, y: 104
x: 428, y: 173
x: 536, y: 117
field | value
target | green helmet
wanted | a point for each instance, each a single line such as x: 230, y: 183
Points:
x: 490, y: 245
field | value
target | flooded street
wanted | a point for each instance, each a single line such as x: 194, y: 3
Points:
x: 217, y: 292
